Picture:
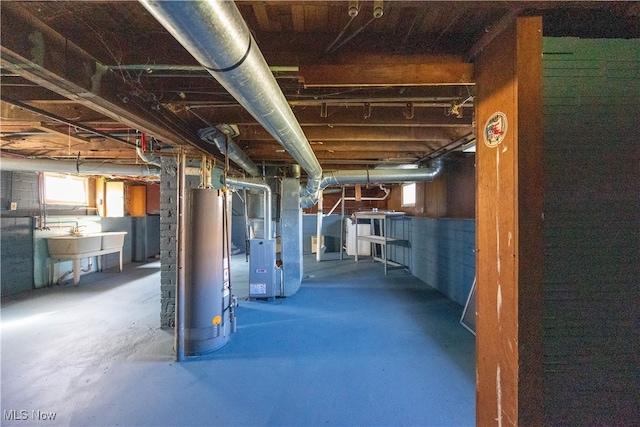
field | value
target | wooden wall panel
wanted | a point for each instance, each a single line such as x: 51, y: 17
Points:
x: 508, y: 81
x: 136, y: 200
x: 591, y: 232
x: 153, y: 199
x: 452, y: 195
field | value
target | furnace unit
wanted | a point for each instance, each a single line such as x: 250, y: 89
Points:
x: 262, y: 268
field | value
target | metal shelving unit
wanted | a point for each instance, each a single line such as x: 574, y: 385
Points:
x: 387, y: 228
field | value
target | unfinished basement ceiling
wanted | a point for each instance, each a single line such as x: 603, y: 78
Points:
x: 84, y: 80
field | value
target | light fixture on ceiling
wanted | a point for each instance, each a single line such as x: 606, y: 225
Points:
x: 354, y: 8
x: 378, y: 8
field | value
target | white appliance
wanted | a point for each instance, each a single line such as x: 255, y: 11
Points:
x: 364, y: 248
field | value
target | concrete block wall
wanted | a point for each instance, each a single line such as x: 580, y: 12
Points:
x: 330, y: 231
x: 442, y: 255
x: 169, y: 236
x: 168, y: 240
x: 16, y: 255
x: 22, y: 188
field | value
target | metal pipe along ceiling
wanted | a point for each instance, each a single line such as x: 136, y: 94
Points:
x: 215, y: 33
x: 226, y: 145
x: 368, y: 176
x: 87, y: 168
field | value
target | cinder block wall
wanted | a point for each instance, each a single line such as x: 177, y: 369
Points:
x: 442, y: 254
x: 168, y: 241
x: 330, y: 231
x: 16, y: 230
x: 16, y: 255
x: 169, y: 236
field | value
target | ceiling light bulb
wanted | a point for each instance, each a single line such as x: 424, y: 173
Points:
x: 378, y: 8
x: 354, y: 8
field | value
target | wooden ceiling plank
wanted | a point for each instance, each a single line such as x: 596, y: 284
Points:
x: 347, y: 116
x: 77, y: 76
x: 345, y: 133
x: 52, y: 129
x: 297, y: 15
x: 348, y: 75
x: 350, y: 146
x: 260, y: 11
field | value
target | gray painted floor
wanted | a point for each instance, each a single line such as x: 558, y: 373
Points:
x: 351, y: 348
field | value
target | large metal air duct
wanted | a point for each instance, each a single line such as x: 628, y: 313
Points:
x: 238, y: 183
x: 224, y: 143
x: 219, y: 39
x: 65, y: 166
x: 368, y: 176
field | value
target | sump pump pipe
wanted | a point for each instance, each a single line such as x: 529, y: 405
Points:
x: 215, y: 33
x: 238, y: 183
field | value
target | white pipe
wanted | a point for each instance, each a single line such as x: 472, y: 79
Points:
x: 319, y: 230
x: 66, y: 166
x: 342, y: 225
x: 181, y: 285
x: 152, y: 160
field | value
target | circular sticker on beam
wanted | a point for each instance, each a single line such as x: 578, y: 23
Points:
x: 495, y: 129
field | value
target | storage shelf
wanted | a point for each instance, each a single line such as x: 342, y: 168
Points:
x: 381, y: 223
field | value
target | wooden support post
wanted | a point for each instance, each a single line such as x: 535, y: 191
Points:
x: 509, y: 227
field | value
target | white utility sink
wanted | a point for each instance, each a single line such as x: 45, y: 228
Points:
x: 77, y: 246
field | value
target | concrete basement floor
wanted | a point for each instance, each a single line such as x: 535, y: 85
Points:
x: 352, y: 348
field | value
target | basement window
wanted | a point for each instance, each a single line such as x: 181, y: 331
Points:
x: 66, y: 190
x: 409, y: 194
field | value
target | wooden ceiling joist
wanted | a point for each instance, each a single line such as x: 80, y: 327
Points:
x: 364, y: 75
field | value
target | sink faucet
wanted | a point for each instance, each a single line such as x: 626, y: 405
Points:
x: 76, y: 229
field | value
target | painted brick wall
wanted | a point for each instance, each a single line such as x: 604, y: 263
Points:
x: 169, y: 236
x: 16, y: 255
x: 442, y: 255
x: 591, y: 229
x: 168, y: 240
x: 330, y: 231
x: 22, y: 188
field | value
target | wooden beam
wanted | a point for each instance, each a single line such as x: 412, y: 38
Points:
x: 345, y: 116
x: 345, y: 155
x: 355, y: 133
x: 342, y: 146
x: 343, y: 75
x: 59, y: 65
x: 495, y: 29
x: 67, y: 109
x: 509, y: 241
x: 65, y: 134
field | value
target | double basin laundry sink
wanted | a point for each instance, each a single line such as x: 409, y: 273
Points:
x: 77, y: 246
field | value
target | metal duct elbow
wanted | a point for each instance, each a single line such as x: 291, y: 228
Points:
x: 239, y: 183
x: 215, y: 33
x: 152, y: 160
x: 382, y: 176
x: 226, y: 145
